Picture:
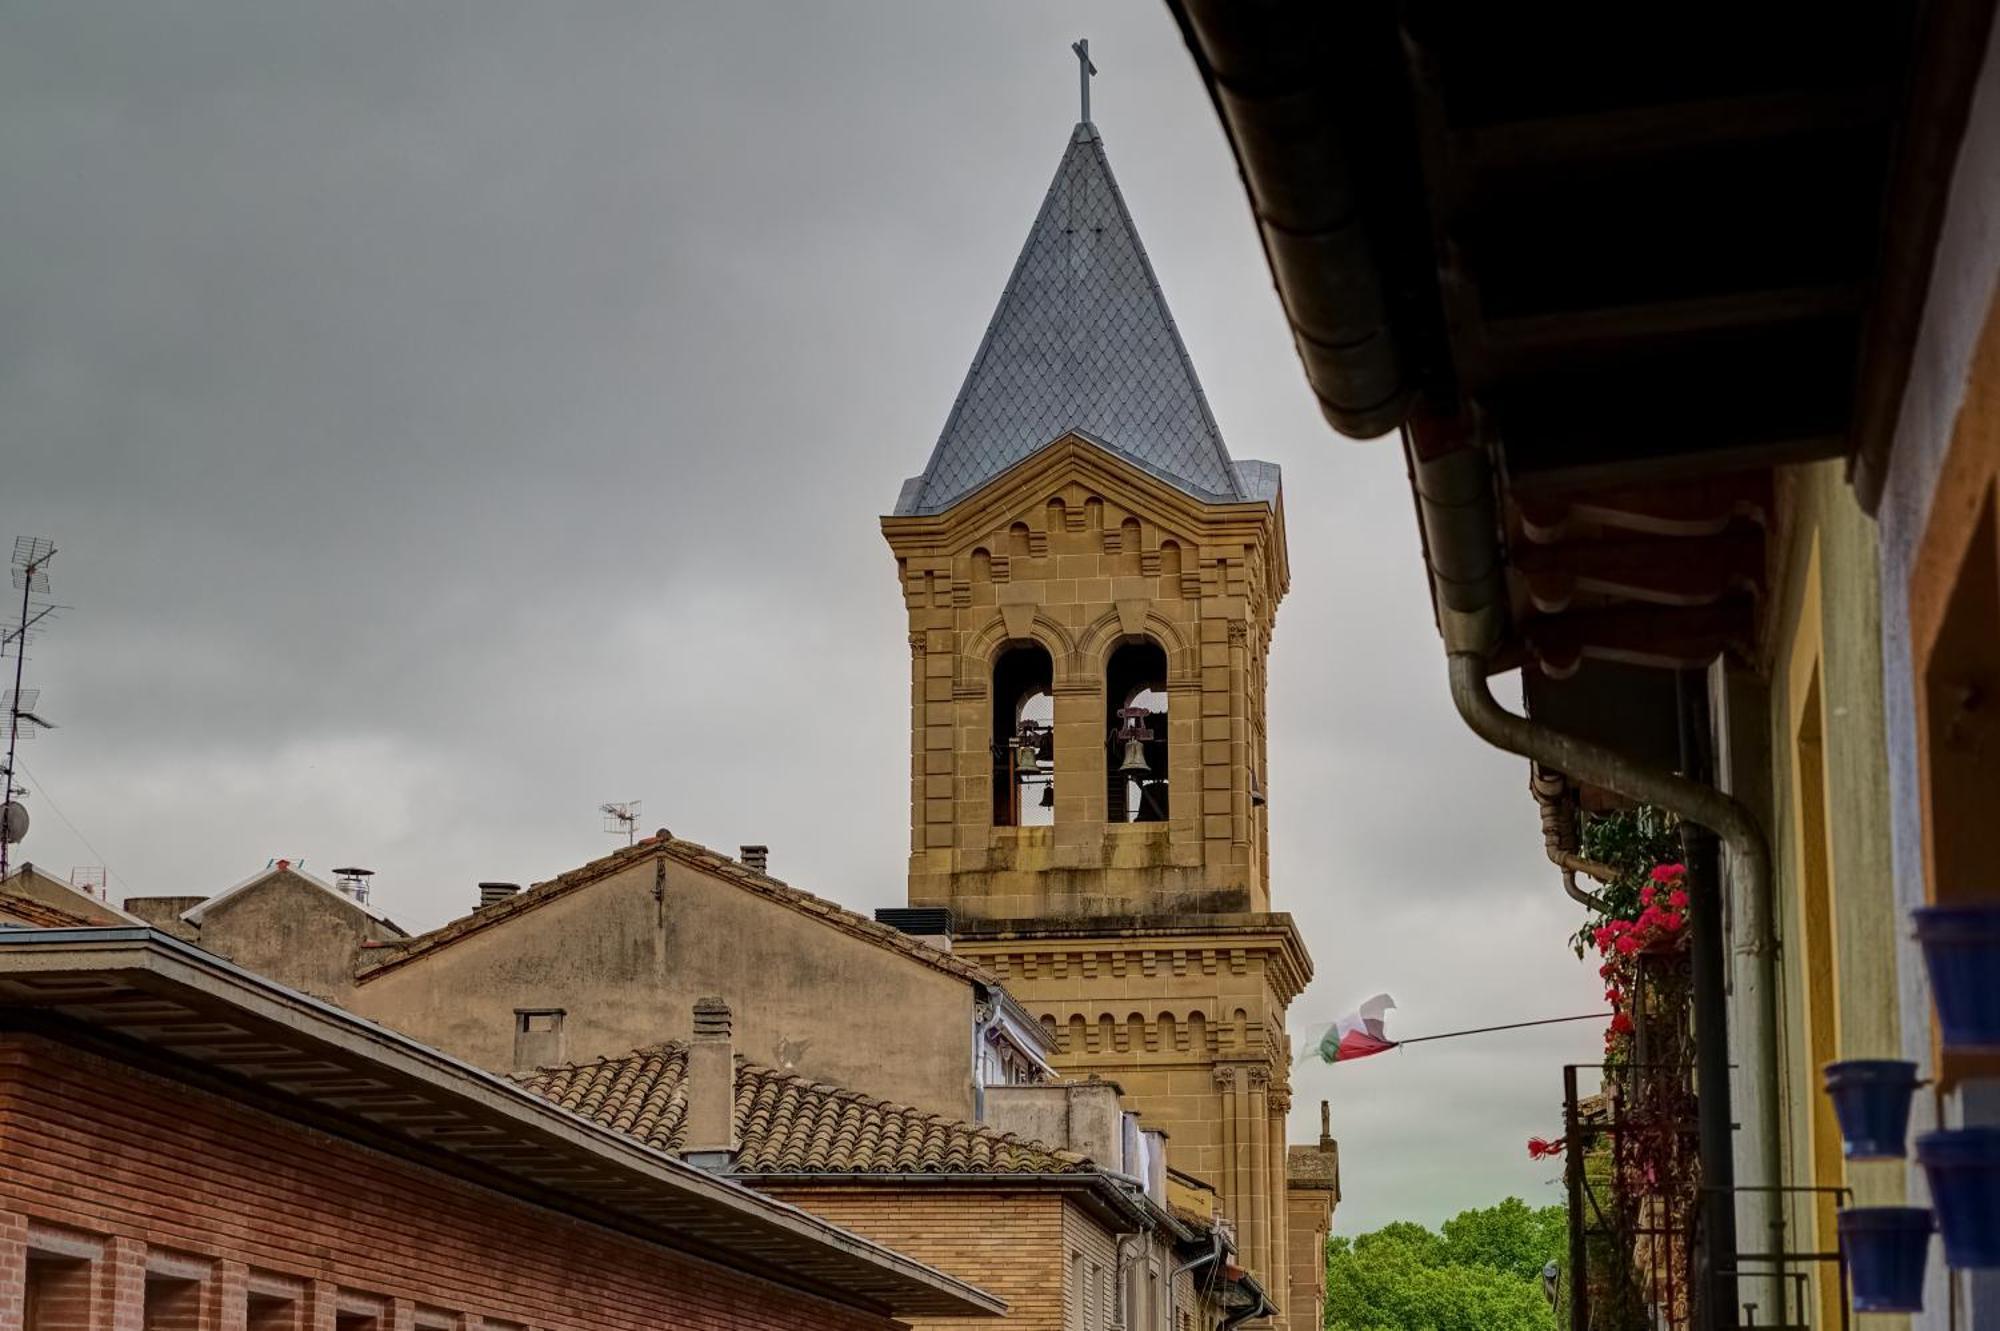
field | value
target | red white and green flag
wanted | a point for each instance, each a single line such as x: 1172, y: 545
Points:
x: 1356, y: 1035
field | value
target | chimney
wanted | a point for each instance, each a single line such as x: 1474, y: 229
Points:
x: 930, y: 925
x: 710, y: 1141
x: 757, y: 858
x: 492, y: 894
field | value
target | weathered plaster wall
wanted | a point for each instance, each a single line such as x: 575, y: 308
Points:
x: 293, y: 931
x: 626, y: 969
x: 1826, y: 621
x: 32, y: 883
x: 1958, y: 313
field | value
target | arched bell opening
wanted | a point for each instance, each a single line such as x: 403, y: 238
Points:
x: 1024, y: 738
x: 1135, y: 702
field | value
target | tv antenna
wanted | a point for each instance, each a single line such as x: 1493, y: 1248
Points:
x: 31, y: 575
x: 622, y: 819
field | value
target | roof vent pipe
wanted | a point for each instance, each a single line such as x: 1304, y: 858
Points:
x: 756, y: 858
x: 492, y: 894
x: 352, y: 880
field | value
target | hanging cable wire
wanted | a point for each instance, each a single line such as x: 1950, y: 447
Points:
x: 56, y: 809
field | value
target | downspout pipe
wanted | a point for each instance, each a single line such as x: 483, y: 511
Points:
x: 1174, y: 1277
x: 1458, y: 516
x: 1597, y: 765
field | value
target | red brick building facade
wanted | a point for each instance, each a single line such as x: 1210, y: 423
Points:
x: 183, y: 1148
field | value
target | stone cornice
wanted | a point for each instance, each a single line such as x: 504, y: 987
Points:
x: 1271, y: 934
x: 1026, y: 485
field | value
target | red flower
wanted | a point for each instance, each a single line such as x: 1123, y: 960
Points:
x: 1670, y: 922
x: 1677, y: 899
x: 1646, y: 895
x: 1669, y: 873
x: 1627, y: 945
x: 1621, y: 1024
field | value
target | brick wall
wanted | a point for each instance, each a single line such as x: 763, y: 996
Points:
x: 1012, y: 1244
x: 131, y: 1203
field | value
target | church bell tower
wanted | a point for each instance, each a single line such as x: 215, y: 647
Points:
x: 1091, y: 582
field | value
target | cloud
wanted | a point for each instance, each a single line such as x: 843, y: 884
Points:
x: 453, y: 419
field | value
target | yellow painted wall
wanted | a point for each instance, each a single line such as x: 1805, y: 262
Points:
x: 1830, y: 838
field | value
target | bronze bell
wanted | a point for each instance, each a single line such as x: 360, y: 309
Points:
x: 1135, y: 758
x: 1027, y: 755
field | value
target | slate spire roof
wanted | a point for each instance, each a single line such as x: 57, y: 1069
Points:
x: 1082, y: 341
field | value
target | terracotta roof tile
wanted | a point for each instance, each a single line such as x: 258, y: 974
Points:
x: 787, y: 1124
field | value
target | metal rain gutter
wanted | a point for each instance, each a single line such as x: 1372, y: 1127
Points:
x: 1264, y: 66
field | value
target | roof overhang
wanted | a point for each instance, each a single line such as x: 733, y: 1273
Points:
x: 143, y: 998
x: 1605, y: 272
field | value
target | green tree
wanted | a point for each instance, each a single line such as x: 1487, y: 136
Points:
x: 1483, y: 1273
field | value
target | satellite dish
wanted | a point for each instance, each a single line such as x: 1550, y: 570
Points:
x: 13, y: 821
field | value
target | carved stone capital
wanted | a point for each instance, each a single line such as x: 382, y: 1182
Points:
x: 1260, y: 1078
x: 917, y: 642
x: 1225, y: 1077
x: 1239, y: 632
x: 1280, y: 1100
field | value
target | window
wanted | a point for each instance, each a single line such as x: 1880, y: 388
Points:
x: 1024, y: 747
x: 1135, y: 698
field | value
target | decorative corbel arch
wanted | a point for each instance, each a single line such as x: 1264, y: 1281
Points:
x: 982, y: 651
x: 1097, y: 641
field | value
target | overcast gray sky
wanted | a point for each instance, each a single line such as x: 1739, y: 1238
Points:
x: 454, y: 416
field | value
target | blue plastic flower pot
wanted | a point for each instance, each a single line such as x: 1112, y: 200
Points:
x: 1871, y: 1098
x: 1962, y: 952
x: 1963, y: 1165
x: 1886, y: 1248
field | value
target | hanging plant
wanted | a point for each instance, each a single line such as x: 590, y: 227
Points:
x: 1634, y: 842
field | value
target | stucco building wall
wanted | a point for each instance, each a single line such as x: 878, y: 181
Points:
x: 1828, y: 815
x: 1956, y: 364
x: 293, y: 931
x: 625, y: 966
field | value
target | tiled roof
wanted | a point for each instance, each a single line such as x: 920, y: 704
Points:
x: 18, y: 910
x: 715, y: 864
x: 1081, y: 342
x: 789, y: 1125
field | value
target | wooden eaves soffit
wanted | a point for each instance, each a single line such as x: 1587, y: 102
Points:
x: 1633, y: 267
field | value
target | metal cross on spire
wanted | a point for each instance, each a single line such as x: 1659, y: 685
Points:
x: 1084, y: 69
